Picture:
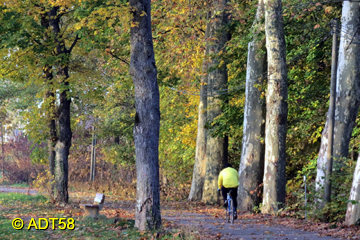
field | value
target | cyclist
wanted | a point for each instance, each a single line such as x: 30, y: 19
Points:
x: 229, y: 180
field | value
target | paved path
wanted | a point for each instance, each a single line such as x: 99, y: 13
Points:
x: 242, y: 229
x: 210, y: 227
x: 18, y: 190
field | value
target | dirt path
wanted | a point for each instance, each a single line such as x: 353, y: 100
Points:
x: 209, y: 222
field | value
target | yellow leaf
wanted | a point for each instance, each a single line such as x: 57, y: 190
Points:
x: 134, y: 24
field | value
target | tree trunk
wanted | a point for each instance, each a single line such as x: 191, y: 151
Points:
x: 353, y: 210
x: 217, y: 80
x: 251, y: 167
x: 348, y: 98
x: 321, y: 165
x: 347, y: 93
x: 200, y: 154
x: 276, y: 109
x: 52, y: 154
x: 147, y: 117
x: 63, y: 143
x: 348, y: 80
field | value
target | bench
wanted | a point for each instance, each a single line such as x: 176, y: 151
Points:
x: 93, y: 209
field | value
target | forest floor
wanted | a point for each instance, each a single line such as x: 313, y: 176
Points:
x: 181, y: 220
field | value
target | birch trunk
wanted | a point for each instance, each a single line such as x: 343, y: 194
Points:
x: 353, y: 210
x: 147, y: 118
x: 276, y: 109
x: 200, y: 154
x: 348, y: 79
x: 216, y: 151
x: 251, y: 167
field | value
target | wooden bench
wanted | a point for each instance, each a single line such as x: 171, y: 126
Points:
x: 93, y: 209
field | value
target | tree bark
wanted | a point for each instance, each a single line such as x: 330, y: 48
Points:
x: 321, y: 165
x: 353, y: 210
x: 63, y: 143
x: 200, y: 153
x: 276, y: 109
x: 217, y: 80
x: 147, y: 117
x: 348, y: 80
x: 348, y: 98
x: 251, y: 167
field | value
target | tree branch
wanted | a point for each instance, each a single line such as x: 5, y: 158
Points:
x: 38, y: 42
x: 73, y: 44
x: 115, y: 56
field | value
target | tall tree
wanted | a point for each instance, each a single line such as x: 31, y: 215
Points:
x: 348, y: 97
x: 44, y: 38
x: 216, y: 147
x: 200, y: 154
x: 347, y: 91
x: 276, y: 108
x: 147, y: 118
x: 348, y: 79
x: 63, y: 143
x: 252, y: 154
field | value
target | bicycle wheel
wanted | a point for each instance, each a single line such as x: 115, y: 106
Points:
x: 227, y: 213
x: 232, y: 212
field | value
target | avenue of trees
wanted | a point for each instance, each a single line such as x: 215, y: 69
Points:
x: 174, y: 90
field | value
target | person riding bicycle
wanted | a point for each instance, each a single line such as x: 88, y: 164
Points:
x: 229, y: 180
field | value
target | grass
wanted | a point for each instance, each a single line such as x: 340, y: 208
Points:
x: 26, y: 207
x: 11, y: 198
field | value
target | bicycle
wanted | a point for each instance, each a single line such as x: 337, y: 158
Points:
x: 230, y: 210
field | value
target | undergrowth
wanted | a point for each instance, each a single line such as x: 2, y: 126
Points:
x: 341, y: 181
